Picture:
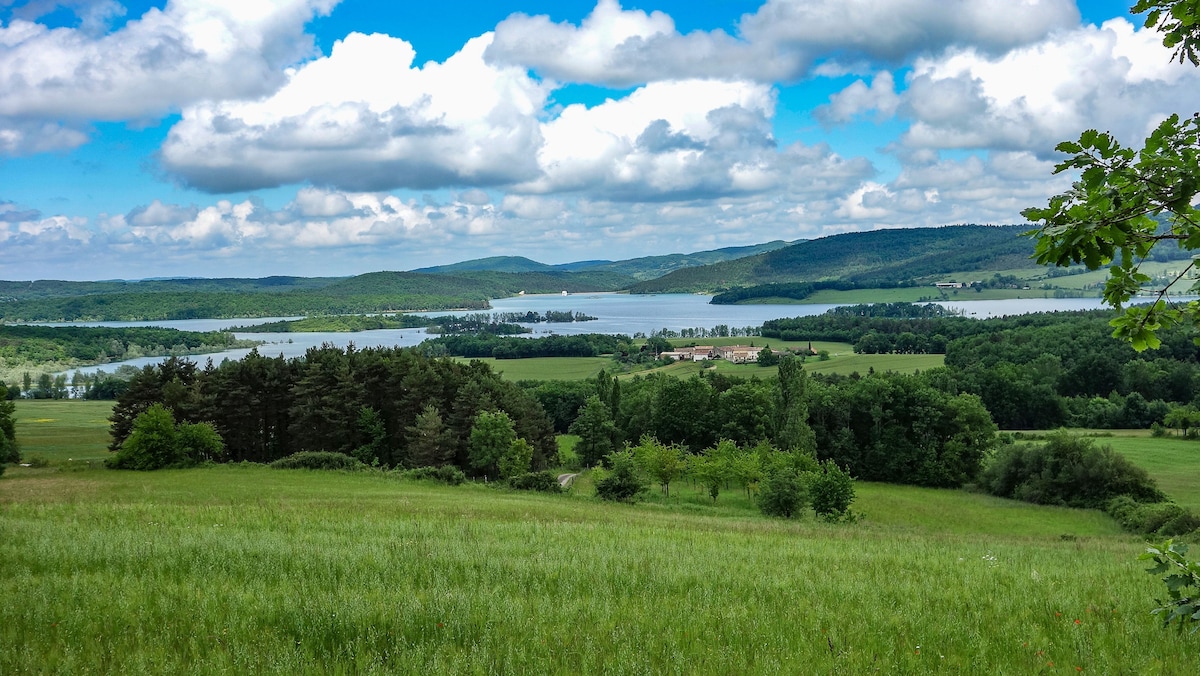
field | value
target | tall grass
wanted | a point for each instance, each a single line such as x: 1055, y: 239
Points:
x: 249, y: 569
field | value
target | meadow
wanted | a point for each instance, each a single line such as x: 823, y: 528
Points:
x: 842, y: 361
x: 244, y: 568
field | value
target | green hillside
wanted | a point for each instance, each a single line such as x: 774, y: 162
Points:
x: 652, y: 267
x: 646, y: 267
x: 876, y: 258
x: 54, y: 288
x: 492, y: 263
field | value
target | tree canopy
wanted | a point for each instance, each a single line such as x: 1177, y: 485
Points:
x: 1128, y: 201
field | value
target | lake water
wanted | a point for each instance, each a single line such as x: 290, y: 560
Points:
x: 615, y: 313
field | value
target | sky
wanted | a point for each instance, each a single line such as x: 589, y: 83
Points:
x: 246, y: 138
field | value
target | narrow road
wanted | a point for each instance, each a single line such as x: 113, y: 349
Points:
x: 565, y: 480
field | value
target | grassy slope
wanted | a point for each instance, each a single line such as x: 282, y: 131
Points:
x: 1173, y: 462
x: 548, y: 368
x: 249, y: 569
x: 62, y: 430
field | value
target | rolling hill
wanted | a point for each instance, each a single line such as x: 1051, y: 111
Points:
x: 646, y: 267
x: 875, y: 258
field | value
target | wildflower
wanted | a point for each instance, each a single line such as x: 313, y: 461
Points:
x: 1077, y: 620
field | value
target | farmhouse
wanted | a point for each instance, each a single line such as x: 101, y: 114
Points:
x: 738, y: 354
x: 697, y: 353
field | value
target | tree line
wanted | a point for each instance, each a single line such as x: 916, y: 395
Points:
x: 97, y: 345
x: 489, y: 345
x: 387, y: 406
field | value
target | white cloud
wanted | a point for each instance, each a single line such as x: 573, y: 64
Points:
x: 780, y: 41
x: 879, y: 96
x: 623, y: 48
x: 344, y: 121
x: 189, y: 51
x: 1110, y: 77
x: 896, y: 29
x: 666, y: 140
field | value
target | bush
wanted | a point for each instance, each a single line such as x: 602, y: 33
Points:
x: 832, y: 492
x: 447, y: 474
x: 622, y: 483
x: 318, y: 460
x: 783, y: 494
x: 1156, y: 518
x: 38, y: 460
x: 153, y: 443
x: 1066, y: 470
x: 545, y: 482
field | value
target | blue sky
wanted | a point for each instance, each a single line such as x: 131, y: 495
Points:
x: 318, y: 137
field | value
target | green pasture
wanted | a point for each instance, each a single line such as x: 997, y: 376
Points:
x: 61, y: 430
x: 248, y: 569
x: 548, y: 368
x: 1173, y: 462
x: 917, y: 294
x: 841, y: 363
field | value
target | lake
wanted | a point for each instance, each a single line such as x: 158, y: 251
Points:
x: 615, y: 313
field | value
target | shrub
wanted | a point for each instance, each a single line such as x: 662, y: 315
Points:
x: 783, y: 494
x: 1155, y: 518
x: 447, y: 474
x: 545, y: 482
x: 1066, y: 470
x: 832, y: 491
x: 153, y: 443
x: 622, y: 483
x: 38, y: 460
x: 318, y: 460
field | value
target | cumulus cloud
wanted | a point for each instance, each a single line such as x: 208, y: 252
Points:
x: 343, y: 121
x: 783, y: 40
x: 667, y: 140
x: 879, y: 96
x: 895, y: 29
x: 1112, y: 77
x: 188, y: 51
x: 623, y: 48
x: 158, y: 213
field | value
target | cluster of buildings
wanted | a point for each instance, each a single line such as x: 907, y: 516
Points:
x: 737, y: 354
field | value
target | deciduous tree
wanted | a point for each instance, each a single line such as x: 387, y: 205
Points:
x: 1129, y: 200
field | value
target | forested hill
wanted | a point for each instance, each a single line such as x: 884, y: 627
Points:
x: 372, y: 292
x: 490, y: 264
x: 651, y: 267
x: 646, y: 267
x: 875, y: 258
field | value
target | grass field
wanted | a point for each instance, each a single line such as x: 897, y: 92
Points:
x: 61, y: 430
x: 247, y: 569
x: 842, y: 363
x: 251, y: 569
x: 1173, y: 462
x: 549, y: 368
x: 921, y: 293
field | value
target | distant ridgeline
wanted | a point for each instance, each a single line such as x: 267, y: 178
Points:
x: 498, y: 323
x: 875, y: 259
x: 211, y: 298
